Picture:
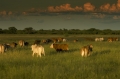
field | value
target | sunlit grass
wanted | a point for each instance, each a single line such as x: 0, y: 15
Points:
x: 103, y: 63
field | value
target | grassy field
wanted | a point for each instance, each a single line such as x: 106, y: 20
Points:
x: 18, y: 63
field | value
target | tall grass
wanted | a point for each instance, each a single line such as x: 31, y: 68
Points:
x: 103, y: 63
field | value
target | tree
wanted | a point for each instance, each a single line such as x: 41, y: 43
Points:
x: 1, y: 31
x: 107, y: 31
x: 29, y: 30
x: 12, y: 30
x: 93, y: 31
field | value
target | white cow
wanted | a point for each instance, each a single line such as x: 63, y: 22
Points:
x: 38, y: 49
x: 64, y: 40
x: 99, y: 39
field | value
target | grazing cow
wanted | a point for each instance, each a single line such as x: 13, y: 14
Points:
x: 44, y: 41
x: 54, y: 40
x: 59, y: 47
x: 38, y: 49
x: 99, y: 39
x: 76, y: 40
x: 59, y: 39
x: 37, y: 42
x: 47, y: 41
x: 3, y: 48
x: 64, y: 40
x: 21, y: 43
x: 26, y: 43
x: 86, y: 50
x: 111, y: 39
x: 12, y: 45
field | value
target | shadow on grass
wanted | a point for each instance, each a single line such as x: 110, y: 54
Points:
x: 101, y: 52
x: 73, y: 50
x: 60, y: 52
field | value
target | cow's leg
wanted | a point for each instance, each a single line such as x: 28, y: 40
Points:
x: 44, y: 53
x: 86, y: 52
x: 33, y: 54
x: 39, y: 54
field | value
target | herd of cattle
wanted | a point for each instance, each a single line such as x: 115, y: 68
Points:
x: 38, y: 49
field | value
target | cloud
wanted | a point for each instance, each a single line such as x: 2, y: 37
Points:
x: 6, y: 13
x: 9, y: 16
x: 98, y: 15
x: 116, y: 17
x: 118, y: 4
x: 108, y: 8
x: 10, y: 13
x: 33, y: 11
x: 114, y: 8
x: 3, y: 13
x: 88, y: 7
x: 63, y: 8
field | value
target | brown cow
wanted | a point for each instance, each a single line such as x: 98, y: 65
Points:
x: 86, y: 50
x: 12, y: 45
x: 47, y: 41
x: 111, y: 39
x: 59, y: 39
x: 37, y: 42
x: 76, y: 40
x: 54, y: 40
x: 59, y: 47
x: 21, y: 43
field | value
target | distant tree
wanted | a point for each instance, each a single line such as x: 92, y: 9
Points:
x: 107, y: 31
x: 12, y: 30
x: 6, y: 31
x: 29, y: 30
x: 1, y: 31
x: 93, y: 31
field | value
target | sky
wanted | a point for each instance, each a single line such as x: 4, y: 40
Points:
x: 60, y: 14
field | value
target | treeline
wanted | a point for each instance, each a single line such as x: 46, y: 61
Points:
x: 30, y: 30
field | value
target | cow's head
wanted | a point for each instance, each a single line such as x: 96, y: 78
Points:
x: 91, y: 47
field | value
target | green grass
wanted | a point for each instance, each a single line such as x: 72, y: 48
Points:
x: 104, y: 63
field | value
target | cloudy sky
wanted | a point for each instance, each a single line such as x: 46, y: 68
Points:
x: 60, y: 14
